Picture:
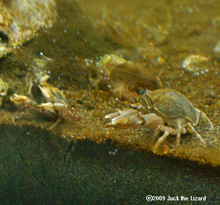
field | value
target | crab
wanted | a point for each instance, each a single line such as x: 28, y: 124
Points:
x: 46, y: 99
x: 165, y: 110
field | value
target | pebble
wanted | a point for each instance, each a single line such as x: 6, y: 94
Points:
x: 195, y: 63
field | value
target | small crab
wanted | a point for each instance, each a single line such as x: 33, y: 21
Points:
x: 48, y: 100
x: 169, y: 111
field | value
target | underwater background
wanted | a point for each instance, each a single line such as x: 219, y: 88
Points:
x: 98, y: 54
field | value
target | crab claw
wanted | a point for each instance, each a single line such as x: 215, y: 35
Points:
x: 20, y: 100
x: 124, y: 119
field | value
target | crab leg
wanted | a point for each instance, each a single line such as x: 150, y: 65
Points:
x: 167, y: 131
x: 192, y: 130
x: 163, y: 137
x: 179, y: 126
x: 157, y: 131
x: 205, y: 118
x: 52, y: 126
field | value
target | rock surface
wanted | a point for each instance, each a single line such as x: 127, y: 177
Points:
x: 21, y: 19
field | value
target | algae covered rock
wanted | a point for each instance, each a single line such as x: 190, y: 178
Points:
x: 21, y: 19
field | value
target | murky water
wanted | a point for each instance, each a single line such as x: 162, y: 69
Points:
x: 164, y: 44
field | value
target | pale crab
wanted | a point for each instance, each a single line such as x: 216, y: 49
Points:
x: 46, y: 99
x: 169, y: 111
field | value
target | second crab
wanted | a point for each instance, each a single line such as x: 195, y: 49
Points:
x: 46, y: 99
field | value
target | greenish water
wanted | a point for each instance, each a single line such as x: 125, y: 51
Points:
x: 165, y: 43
